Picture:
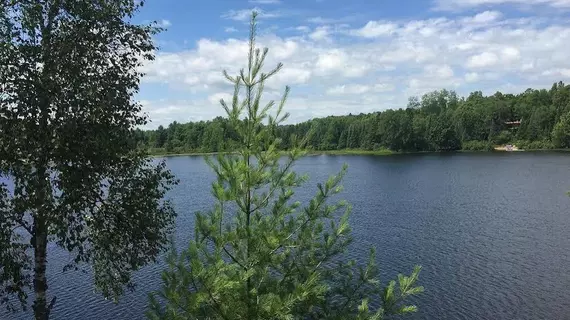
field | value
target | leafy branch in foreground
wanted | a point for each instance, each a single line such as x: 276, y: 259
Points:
x: 70, y: 171
x: 260, y: 255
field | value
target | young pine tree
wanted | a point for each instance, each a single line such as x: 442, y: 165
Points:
x: 259, y: 255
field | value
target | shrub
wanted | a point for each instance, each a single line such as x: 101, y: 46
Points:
x: 476, y: 145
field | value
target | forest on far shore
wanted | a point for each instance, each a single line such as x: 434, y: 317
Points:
x: 437, y: 121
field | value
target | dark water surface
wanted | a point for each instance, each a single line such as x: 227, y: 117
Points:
x: 491, y: 231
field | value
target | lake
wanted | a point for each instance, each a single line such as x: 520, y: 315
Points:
x: 491, y: 231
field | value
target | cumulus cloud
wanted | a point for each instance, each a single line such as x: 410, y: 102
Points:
x: 332, y: 60
x: 484, y: 17
x: 349, y: 89
x: 290, y: 76
x: 510, y: 54
x: 217, y: 97
x: 163, y: 112
x: 357, y: 89
x: 465, y: 4
x: 370, y: 66
x: 439, y: 71
x: 482, y: 60
x: 338, y: 62
x: 320, y: 33
x: 374, y: 29
x: 557, y: 72
x: 488, y: 59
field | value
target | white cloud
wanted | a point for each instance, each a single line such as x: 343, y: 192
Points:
x: 527, y: 66
x: 331, y: 73
x: 332, y: 60
x: 465, y: 4
x: 439, y: 71
x: 216, y: 97
x: 289, y: 75
x: 358, y: 89
x: 286, y: 50
x: 506, y: 55
x: 320, y: 33
x: 472, y: 77
x: 421, y: 84
x: 163, y: 112
x: 230, y: 29
x: 349, y: 89
x: 374, y: 29
x: 484, y: 17
x: 338, y: 62
x: 482, y: 60
x: 558, y: 72
x: 510, y: 54
x: 464, y: 46
x: 383, y: 87
x: 164, y: 23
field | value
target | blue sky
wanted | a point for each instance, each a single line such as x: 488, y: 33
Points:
x: 352, y: 56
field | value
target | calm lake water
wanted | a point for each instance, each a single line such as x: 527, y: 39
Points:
x: 491, y: 231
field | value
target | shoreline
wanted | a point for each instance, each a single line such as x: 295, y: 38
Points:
x: 307, y: 153
x: 363, y: 152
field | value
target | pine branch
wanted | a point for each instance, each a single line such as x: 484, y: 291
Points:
x: 234, y: 259
x: 309, y: 219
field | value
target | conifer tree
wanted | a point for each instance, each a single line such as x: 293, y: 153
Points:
x: 260, y: 255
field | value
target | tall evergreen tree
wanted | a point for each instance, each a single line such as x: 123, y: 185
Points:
x: 161, y: 137
x: 68, y: 154
x: 258, y: 254
x: 561, y: 132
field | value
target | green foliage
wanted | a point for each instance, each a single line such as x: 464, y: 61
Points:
x: 68, y: 146
x: 258, y: 254
x: 439, y: 120
x: 441, y: 134
x: 561, y: 132
x: 477, y: 146
x: 503, y: 137
x: 535, y: 145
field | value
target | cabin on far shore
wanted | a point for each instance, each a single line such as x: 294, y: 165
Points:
x: 512, y: 124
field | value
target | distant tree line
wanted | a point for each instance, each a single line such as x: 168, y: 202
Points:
x: 438, y: 121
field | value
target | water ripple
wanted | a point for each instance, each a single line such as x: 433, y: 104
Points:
x: 490, y: 231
